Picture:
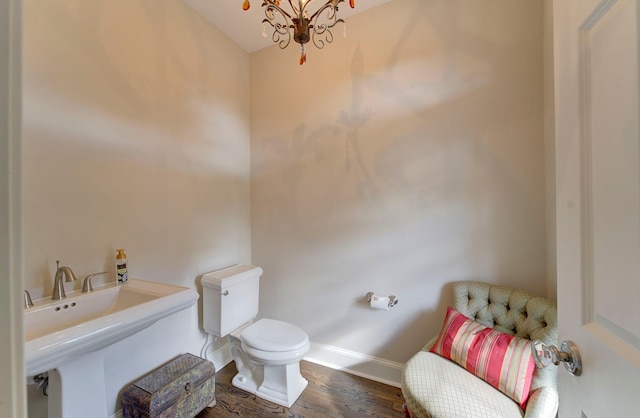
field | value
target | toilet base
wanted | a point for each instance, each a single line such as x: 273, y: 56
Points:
x: 281, y: 384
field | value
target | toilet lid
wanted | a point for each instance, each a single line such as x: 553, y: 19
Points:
x: 272, y: 335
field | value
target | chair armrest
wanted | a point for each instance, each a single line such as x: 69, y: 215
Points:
x: 542, y: 403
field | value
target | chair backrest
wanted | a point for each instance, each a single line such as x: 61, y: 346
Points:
x: 514, y: 312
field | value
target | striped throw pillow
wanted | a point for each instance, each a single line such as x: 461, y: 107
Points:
x: 502, y: 360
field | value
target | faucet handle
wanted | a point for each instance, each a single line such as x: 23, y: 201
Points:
x: 27, y: 299
x: 87, y: 287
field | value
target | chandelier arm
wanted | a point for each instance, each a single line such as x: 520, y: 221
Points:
x: 281, y: 32
x: 328, y: 5
x: 328, y: 38
x: 270, y: 5
x: 295, y: 9
x: 321, y: 30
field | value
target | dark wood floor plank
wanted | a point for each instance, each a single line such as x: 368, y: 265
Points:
x: 330, y: 394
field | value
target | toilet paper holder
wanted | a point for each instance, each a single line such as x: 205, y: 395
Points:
x: 393, y: 301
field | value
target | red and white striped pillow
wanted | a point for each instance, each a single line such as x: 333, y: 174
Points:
x: 502, y: 360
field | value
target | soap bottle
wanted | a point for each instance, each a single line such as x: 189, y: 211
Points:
x: 121, y: 267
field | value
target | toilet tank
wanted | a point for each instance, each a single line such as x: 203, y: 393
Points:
x: 230, y: 298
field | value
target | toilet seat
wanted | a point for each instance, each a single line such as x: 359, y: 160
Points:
x: 274, y: 336
x: 274, y: 342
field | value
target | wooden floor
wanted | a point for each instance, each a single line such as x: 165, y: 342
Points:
x: 330, y: 394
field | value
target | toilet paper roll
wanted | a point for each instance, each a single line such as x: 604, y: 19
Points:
x: 379, y: 302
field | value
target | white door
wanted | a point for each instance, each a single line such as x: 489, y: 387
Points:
x: 598, y: 203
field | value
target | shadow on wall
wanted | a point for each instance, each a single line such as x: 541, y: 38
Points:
x: 420, y: 140
x: 421, y: 149
x: 139, y: 59
x: 431, y: 173
x: 135, y: 134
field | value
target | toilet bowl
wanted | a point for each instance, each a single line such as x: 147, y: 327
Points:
x: 267, y: 352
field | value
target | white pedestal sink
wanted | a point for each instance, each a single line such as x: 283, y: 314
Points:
x: 67, y: 338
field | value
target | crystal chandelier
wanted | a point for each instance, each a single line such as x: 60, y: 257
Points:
x: 306, y: 26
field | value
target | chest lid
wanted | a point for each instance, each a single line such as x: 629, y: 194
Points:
x: 161, y: 387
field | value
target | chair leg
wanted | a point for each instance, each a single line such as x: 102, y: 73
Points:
x: 407, y: 412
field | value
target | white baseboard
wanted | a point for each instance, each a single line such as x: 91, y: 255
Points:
x: 358, y: 364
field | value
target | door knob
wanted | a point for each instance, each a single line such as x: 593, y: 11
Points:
x: 568, y: 354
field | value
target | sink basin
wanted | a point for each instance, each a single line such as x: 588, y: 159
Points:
x: 57, y: 332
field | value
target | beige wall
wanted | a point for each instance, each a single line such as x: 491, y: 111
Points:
x: 136, y: 136
x: 398, y: 160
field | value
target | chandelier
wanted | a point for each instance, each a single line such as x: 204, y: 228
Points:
x: 315, y: 27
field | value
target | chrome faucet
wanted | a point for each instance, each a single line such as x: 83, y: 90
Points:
x: 87, y: 287
x: 58, y: 284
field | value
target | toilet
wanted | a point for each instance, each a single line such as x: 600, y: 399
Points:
x: 267, y: 352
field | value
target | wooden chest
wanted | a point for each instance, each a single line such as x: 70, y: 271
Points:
x: 181, y: 388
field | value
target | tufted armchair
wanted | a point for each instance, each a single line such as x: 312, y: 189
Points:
x: 435, y: 387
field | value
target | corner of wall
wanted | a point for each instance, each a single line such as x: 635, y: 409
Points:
x: 549, y: 147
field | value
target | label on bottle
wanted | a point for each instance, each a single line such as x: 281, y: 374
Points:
x: 121, y: 273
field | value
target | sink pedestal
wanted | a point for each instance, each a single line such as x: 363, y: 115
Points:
x: 77, y: 388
